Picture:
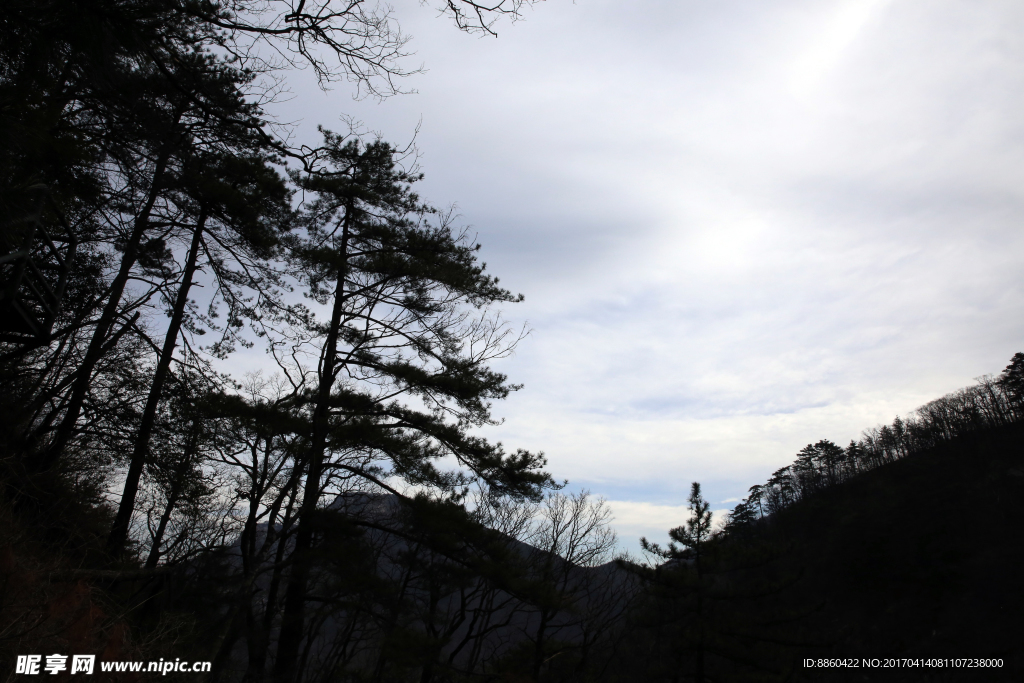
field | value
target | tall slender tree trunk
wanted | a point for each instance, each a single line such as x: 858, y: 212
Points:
x: 294, y: 601
x: 259, y: 645
x: 390, y: 624
x: 119, y: 530
x: 45, y: 422
x: 545, y: 616
x: 177, y: 486
x: 700, y: 618
x: 96, y: 345
x: 539, y: 644
x: 256, y: 638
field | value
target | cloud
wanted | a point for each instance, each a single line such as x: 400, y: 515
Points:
x: 718, y: 272
x: 832, y: 39
x: 633, y: 519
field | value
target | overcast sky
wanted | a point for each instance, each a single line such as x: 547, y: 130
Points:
x: 741, y: 226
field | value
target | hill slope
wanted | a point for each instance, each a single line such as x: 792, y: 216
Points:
x: 919, y: 558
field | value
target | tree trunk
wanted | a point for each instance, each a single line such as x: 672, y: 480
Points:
x: 295, y: 596
x: 259, y: 646
x: 119, y: 530
x: 172, y: 499
x: 538, y: 650
x: 96, y: 345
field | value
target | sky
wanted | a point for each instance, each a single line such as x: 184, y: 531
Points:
x: 740, y: 226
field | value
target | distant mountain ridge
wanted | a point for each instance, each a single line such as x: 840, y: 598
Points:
x: 472, y: 624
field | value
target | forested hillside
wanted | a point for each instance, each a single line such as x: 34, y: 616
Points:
x: 903, y: 545
x: 157, y: 222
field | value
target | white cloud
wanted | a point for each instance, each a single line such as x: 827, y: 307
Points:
x: 718, y: 272
x: 633, y: 519
x: 831, y: 40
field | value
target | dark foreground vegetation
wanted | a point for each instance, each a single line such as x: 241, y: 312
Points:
x: 904, y: 545
x: 325, y: 512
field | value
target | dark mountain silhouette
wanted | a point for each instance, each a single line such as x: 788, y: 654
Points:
x: 920, y: 558
x: 898, y: 556
x: 389, y: 586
